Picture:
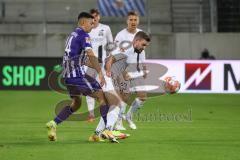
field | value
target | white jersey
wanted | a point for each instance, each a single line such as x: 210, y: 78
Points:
x: 100, y: 37
x: 124, y: 35
x: 130, y: 55
x: 120, y: 65
x: 126, y: 58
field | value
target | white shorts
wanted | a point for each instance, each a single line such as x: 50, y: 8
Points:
x: 109, y: 84
x: 120, y: 83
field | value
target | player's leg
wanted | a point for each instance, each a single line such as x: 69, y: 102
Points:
x: 124, y: 93
x: 76, y: 87
x: 68, y: 110
x: 113, y: 100
x: 104, y: 108
x: 119, y: 124
x: 111, y: 119
x: 62, y: 116
x: 90, y: 101
x: 136, y: 104
x: 96, y: 137
x: 112, y: 93
x: 90, y: 104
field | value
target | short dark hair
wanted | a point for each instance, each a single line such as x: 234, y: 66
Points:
x: 142, y: 35
x: 132, y: 13
x: 84, y: 15
x: 94, y: 10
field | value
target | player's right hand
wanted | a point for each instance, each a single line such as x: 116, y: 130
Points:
x: 126, y: 76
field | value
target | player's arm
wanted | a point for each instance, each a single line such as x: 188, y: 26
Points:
x: 88, y: 63
x: 144, y: 66
x: 93, y: 61
x: 108, y: 65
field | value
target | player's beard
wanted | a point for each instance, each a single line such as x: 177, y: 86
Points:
x: 137, y: 50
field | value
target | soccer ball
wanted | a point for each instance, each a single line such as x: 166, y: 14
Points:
x: 171, y: 85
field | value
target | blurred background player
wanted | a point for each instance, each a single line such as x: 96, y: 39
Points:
x: 100, y: 35
x: 127, y: 34
x: 77, y: 49
x: 122, y: 39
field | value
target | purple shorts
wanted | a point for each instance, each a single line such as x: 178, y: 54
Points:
x: 82, y: 85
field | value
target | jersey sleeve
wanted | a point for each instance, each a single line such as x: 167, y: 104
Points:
x: 142, y: 57
x: 118, y: 54
x: 118, y: 38
x: 109, y: 35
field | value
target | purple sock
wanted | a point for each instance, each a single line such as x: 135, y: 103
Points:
x: 103, y: 111
x: 63, y: 115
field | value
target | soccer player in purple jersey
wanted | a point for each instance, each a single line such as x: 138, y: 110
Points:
x: 78, y: 51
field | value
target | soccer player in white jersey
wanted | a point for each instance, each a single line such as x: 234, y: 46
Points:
x: 127, y: 34
x: 100, y: 35
x: 122, y: 39
x: 116, y: 65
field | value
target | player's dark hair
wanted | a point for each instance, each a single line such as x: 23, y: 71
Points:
x: 94, y: 11
x: 84, y: 15
x: 142, y: 35
x: 132, y: 13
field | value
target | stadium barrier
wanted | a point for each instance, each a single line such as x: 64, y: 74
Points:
x: 195, y: 76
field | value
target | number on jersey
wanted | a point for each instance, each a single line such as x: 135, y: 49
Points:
x: 68, y: 45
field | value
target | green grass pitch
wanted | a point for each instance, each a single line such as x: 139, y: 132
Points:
x: 212, y: 132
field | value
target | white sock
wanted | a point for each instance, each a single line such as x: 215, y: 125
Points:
x: 123, y: 107
x: 101, y: 126
x: 90, y: 104
x: 136, y: 104
x: 112, y: 117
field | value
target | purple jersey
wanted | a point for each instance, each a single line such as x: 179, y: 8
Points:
x: 76, y: 45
